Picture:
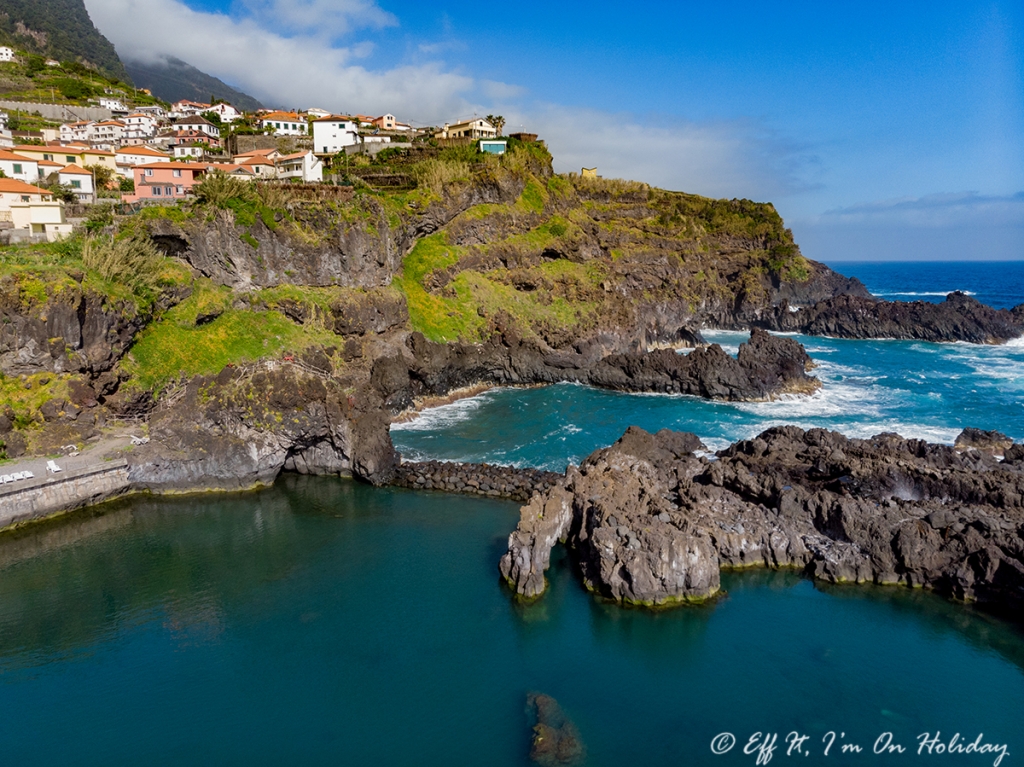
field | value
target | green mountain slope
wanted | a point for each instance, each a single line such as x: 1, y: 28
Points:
x: 174, y: 79
x: 59, y: 29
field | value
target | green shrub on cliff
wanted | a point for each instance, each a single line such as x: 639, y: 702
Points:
x: 131, y: 261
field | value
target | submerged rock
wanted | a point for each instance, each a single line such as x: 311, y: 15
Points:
x: 555, y: 741
x: 652, y: 523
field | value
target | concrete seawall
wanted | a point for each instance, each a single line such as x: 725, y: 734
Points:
x: 43, y: 496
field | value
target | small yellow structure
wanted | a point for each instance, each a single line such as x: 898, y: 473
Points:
x: 588, y: 172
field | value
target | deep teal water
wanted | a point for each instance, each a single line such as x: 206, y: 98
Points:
x: 322, y: 622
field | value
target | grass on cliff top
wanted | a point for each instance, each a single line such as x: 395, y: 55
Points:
x: 175, y: 345
x: 473, y: 296
x: 41, y: 272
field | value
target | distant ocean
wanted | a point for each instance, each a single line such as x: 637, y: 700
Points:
x: 996, y: 283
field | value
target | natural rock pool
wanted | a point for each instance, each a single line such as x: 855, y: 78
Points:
x: 326, y: 622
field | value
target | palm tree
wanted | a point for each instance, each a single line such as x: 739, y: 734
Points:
x: 497, y: 121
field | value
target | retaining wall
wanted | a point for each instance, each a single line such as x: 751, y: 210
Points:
x: 43, y: 496
x: 58, y: 112
x: 475, y: 478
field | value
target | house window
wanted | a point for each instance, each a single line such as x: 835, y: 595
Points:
x: 24, y: 198
x: 168, y: 191
x: 17, y: 167
x: 177, y: 174
x: 157, y: 192
x: 76, y: 184
x: 180, y: 190
x: 48, y: 157
x: 69, y: 158
x: 149, y: 172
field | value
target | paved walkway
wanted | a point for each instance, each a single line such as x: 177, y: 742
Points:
x: 95, y: 455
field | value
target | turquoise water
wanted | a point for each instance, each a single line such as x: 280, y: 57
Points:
x: 322, y: 622
x: 927, y: 391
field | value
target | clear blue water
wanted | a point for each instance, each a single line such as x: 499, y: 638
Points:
x: 323, y: 622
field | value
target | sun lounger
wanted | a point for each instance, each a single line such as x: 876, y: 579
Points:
x: 27, y: 475
x: 5, y: 478
x: 52, y: 467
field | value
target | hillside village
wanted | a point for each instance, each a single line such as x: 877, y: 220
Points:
x: 125, y: 147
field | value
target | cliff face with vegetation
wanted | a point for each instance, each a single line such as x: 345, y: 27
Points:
x: 473, y: 269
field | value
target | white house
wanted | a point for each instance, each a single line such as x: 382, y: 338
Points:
x: 76, y: 131
x: 107, y: 134
x: 304, y: 166
x: 131, y: 156
x: 475, y: 128
x: 284, y: 124
x: 156, y: 112
x: 226, y: 112
x: 186, y: 108
x: 114, y: 105
x: 6, y: 54
x: 17, y: 167
x: 315, y: 114
x: 80, y: 181
x: 332, y: 134
x: 13, y: 191
x: 138, y: 127
x: 40, y: 217
x: 200, y: 124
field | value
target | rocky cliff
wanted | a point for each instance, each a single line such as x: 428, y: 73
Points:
x: 651, y: 522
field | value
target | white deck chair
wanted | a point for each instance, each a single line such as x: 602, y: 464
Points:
x: 52, y: 467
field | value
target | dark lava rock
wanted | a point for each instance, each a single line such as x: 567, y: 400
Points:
x: 651, y: 525
x: 958, y: 318
x: 555, y: 741
x: 991, y: 442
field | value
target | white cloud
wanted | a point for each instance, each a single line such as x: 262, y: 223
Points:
x: 719, y: 159
x: 319, y: 17
x: 934, y: 211
x: 297, y: 71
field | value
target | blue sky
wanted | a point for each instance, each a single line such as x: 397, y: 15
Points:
x: 879, y: 130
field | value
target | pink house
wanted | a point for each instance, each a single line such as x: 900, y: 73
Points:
x: 164, y: 181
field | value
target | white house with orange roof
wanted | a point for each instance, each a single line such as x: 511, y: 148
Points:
x: 301, y: 166
x: 332, y: 134
x: 129, y: 156
x: 18, y: 166
x: 265, y: 154
x: 284, y: 124
x: 33, y: 212
x: 186, y: 108
x: 79, y: 181
x: 76, y: 131
x: 113, y: 104
x: 313, y: 113
x: 477, y: 127
x: 13, y: 191
x: 46, y: 168
x: 107, y: 134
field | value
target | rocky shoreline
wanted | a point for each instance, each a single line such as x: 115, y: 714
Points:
x: 652, y: 523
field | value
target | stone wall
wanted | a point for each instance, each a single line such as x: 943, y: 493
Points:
x: 58, y: 112
x: 25, y: 500
x: 475, y: 478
